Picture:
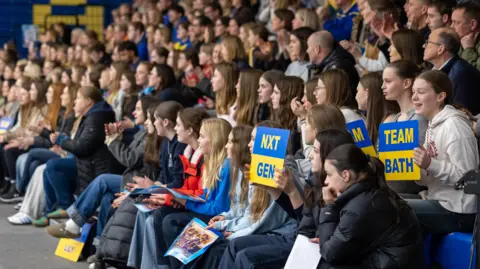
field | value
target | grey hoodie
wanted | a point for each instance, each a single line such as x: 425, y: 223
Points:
x: 451, y: 144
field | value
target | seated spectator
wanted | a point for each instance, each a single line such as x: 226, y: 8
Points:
x: 286, y: 89
x: 397, y: 86
x: 333, y: 89
x: 325, y: 54
x: 136, y: 34
x: 216, y: 182
x: 128, y: 53
x: 450, y: 150
x: 340, y: 24
x: 305, y: 17
x: 183, y: 41
x: 162, y: 84
x: 350, y: 220
x: 298, y: 53
x: 224, y: 80
x: 370, y: 98
x: 247, y: 96
x: 407, y: 45
x: 465, y: 21
x: 101, y: 192
x: 417, y: 16
x: 439, y: 13
x: 267, y: 81
x: 441, y: 51
x: 142, y: 247
x: 87, y: 145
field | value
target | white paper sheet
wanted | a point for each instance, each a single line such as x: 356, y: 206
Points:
x: 304, y: 254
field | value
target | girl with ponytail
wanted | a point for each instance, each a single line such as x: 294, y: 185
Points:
x: 363, y: 219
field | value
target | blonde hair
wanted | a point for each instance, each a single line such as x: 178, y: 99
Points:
x: 217, y: 130
x: 310, y: 18
x: 32, y: 71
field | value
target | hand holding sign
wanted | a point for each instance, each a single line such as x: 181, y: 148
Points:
x: 397, y: 144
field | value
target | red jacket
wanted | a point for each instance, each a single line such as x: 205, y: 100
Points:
x: 193, y: 169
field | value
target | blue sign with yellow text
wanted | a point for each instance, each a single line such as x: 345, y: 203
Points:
x: 359, y: 132
x: 396, y: 144
x: 269, y: 151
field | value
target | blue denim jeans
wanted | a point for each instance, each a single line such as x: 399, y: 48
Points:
x: 28, y: 162
x: 435, y: 219
x: 101, y: 192
x: 59, y: 183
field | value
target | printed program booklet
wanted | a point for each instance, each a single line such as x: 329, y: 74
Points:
x: 194, y: 240
x: 140, y: 194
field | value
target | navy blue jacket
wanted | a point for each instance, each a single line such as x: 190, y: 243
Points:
x: 465, y: 78
x: 171, y: 167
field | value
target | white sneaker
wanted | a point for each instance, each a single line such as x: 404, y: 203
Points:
x: 20, y: 219
x: 18, y: 206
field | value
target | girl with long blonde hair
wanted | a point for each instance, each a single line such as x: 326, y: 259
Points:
x: 216, y: 182
x: 253, y: 210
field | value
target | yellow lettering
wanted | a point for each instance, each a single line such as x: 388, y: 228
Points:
x: 277, y: 139
x: 387, y: 139
x: 394, y: 137
x: 358, y: 135
x: 409, y: 135
x: 264, y: 144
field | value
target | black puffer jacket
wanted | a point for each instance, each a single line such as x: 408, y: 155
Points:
x: 92, y: 155
x: 339, y: 59
x: 362, y: 230
x: 117, y: 234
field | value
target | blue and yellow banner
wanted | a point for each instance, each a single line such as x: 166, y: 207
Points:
x: 359, y: 132
x: 71, y: 249
x: 269, y: 151
x: 396, y: 144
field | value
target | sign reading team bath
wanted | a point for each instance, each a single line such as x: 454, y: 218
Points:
x: 359, y: 132
x: 268, y: 153
x: 396, y: 143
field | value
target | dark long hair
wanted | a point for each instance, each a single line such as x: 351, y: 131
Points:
x: 378, y: 108
x: 152, y: 141
x: 329, y: 139
x: 351, y: 157
x: 168, y: 76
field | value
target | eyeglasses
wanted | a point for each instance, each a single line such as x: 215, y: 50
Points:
x: 430, y: 42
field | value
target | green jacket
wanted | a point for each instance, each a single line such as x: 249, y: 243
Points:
x: 472, y: 55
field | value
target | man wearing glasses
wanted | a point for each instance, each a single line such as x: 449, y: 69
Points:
x: 441, y: 50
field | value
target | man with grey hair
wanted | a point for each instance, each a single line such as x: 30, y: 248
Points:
x: 441, y: 50
x: 326, y: 54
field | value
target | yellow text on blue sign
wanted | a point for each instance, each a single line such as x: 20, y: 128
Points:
x: 396, y: 144
x: 269, y: 151
x: 359, y: 132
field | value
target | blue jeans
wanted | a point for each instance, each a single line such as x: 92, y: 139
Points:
x: 59, y: 183
x: 101, y: 192
x: 28, y: 162
x: 435, y: 219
